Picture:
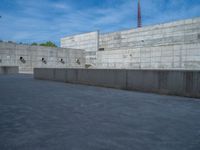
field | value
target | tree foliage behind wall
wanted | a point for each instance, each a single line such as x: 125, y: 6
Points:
x: 34, y: 44
x: 47, y: 44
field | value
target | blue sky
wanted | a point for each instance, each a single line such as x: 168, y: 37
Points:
x: 42, y: 20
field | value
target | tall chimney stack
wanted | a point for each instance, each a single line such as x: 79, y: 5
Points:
x: 139, y: 15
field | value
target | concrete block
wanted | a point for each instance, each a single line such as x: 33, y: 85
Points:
x: 96, y: 77
x: 60, y: 74
x: 183, y: 83
x: 71, y: 75
x: 44, y: 73
x: 11, y: 53
x: 142, y: 80
x: 5, y: 70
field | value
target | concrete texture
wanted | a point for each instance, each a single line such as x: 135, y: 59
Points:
x: 9, y: 70
x: 87, y: 41
x: 173, y: 33
x: 29, y: 57
x: 44, y: 115
x: 173, y: 82
x: 174, y: 45
x: 185, y: 57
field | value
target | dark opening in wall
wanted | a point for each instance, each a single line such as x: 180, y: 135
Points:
x: 198, y: 36
x: 78, y: 61
x: 0, y: 61
x: 62, y: 61
x: 44, y: 61
x: 22, y: 59
x: 101, y: 49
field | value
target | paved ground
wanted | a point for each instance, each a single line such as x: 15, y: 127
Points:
x: 43, y: 115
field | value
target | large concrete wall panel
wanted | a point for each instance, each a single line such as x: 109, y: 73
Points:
x: 192, y: 85
x: 172, y: 82
x: 11, y: 53
x: 142, y: 79
x: 87, y: 41
x: 185, y: 57
x: 165, y: 36
x: 44, y: 73
x: 96, y: 77
x: 60, y: 75
x: 72, y: 75
x: 174, y: 33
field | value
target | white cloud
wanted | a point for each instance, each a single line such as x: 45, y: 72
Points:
x: 61, y: 6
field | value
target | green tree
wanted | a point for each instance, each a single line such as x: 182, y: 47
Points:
x: 34, y: 44
x: 48, y: 44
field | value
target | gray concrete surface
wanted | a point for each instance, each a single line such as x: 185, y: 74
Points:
x: 174, y: 45
x: 172, y: 82
x: 28, y: 57
x: 173, y: 56
x: 45, y: 115
x: 9, y: 70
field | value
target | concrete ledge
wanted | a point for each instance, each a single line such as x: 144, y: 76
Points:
x: 9, y: 70
x: 172, y: 82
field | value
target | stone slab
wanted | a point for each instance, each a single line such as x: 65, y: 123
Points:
x: 172, y: 82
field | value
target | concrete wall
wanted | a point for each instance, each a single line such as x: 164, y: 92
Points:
x: 10, y: 56
x: 87, y: 41
x: 9, y: 70
x: 182, y: 83
x: 173, y: 33
x: 173, y: 45
x: 183, y: 56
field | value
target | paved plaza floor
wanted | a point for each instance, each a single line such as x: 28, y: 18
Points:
x: 46, y: 115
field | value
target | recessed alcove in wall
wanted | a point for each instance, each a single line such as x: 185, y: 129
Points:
x: 101, y: 49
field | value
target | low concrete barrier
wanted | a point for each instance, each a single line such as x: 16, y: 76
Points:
x: 172, y: 82
x: 9, y: 70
